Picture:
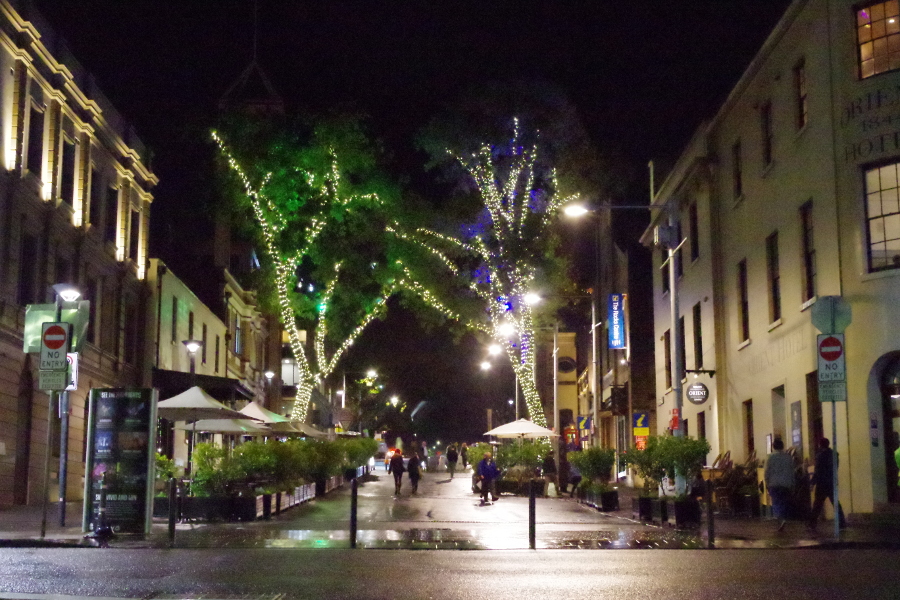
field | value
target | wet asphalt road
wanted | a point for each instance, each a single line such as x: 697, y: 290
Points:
x: 383, y: 574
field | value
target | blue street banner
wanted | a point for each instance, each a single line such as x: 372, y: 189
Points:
x: 615, y: 317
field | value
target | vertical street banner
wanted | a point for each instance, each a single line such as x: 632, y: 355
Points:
x: 121, y: 445
x: 615, y: 319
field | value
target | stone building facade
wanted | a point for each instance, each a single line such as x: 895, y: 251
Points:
x: 790, y: 194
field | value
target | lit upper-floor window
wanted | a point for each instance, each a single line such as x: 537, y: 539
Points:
x: 883, y: 217
x: 878, y: 37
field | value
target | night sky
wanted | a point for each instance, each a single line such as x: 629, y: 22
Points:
x: 642, y: 75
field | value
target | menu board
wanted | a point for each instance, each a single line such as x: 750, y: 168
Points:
x: 121, y: 444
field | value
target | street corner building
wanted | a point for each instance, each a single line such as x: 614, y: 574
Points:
x: 75, y: 195
x: 787, y: 197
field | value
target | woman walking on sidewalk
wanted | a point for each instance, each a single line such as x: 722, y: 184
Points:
x: 452, y: 459
x: 413, y: 467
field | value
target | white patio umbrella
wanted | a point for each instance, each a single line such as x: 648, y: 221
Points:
x: 242, y: 426
x: 523, y: 428
x: 195, y: 404
x: 263, y: 414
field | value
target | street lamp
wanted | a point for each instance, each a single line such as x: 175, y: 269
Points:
x: 192, y: 347
x: 65, y: 292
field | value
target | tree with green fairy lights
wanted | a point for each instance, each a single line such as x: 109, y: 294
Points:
x: 326, y: 217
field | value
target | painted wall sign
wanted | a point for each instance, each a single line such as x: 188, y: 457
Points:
x: 615, y: 318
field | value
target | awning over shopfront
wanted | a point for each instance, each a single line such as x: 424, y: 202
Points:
x: 223, y: 389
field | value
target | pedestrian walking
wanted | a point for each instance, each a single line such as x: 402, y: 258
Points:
x: 452, y: 459
x: 548, y: 470
x: 396, y: 468
x: 487, y: 474
x: 414, y: 467
x: 779, y: 478
x: 823, y: 479
x: 464, y: 455
x: 574, y: 478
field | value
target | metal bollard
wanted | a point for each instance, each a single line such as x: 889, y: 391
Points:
x: 103, y: 532
x: 353, y: 503
x: 710, y: 519
x: 173, y: 509
x: 531, y: 515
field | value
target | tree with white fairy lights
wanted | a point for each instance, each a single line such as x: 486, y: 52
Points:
x: 509, y: 251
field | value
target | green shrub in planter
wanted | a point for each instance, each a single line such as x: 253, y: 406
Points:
x: 215, y: 473
x: 648, y: 464
x: 683, y: 455
x: 520, y: 461
x: 358, y: 451
x: 594, y: 463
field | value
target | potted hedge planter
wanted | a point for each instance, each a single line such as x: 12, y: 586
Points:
x: 595, y: 465
x: 641, y: 508
x: 659, y: 510
x: 686, y: 512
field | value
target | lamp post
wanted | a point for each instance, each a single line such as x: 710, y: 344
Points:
x: 667, y: 237
x: 64, y: 293
x: 192, y: 347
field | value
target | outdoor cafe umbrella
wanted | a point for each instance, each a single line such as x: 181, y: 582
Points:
x: 241, y: 426
x: 193, y: 405
x: 523, y: 428
x: 263, y: 414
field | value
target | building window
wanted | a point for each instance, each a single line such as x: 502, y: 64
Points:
x: 112, y: 213
x: 238, y: 335
x: 203, y: 347
x: 809, y: 252
x: 35, y: 140
x: 743, y: 301
x: 96, y: 201
x: 878, y: 37
x: 883, y: 217
x: 134, y: 235
x: 216, y: 365
x: 682, y: 348
x: 749, y: 444
x: 26, y: 291
x: 701, y: 426
x: 774, y: 276
x: 664, y: 270
x: 679, y: 262
x: 737, y: 171
x: 693, y: 223
x: 67, y: 181
x: 765, y: 123
x: 667, y: 353
x: 174, y: 319
x: 190, y: 325
x: 93, y: 296
x: 802, y: 106
x: 698, y: 338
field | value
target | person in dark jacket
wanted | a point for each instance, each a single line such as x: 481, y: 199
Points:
x: 414, y: 467
x: 823, y: 479
x: 396, y: 467
x: 464, y: 455
x: 548, y: 469
x: 487, y: 474
x: 452, y: 459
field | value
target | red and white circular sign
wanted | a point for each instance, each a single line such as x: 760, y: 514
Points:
x: 55, y: 337
x: 831, y: 349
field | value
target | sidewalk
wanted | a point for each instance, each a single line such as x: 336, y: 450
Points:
x: 20, y: 527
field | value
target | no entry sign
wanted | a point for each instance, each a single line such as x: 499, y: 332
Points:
x: 54, y: 346
x: 832, y: 365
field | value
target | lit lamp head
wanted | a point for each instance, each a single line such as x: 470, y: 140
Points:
x: 506, y: 329
x: 395, y: 400
x: 531, y: 299
x: 371, y: 374
x: 485, y: 365
x: 66, y: 291
x: 269, y: 375
x: 575, y: 210
x: 494, y: 349
x: 192, y: 345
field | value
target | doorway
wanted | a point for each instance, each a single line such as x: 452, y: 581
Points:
x: 890, y: 394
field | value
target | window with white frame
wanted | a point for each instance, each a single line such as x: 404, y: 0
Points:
x: 883, y: 217
x: 878, y: 38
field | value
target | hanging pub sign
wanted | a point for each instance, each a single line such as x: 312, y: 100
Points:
x: 120, y: 457
x: 697, y: 393
x: 615, y: 318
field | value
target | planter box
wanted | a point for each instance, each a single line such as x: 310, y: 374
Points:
x: 659, y: 510
x: 641, y: 508
x: 609, y: 501
x: 686, y: 513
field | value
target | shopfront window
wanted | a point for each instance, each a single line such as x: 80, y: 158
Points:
x: 883, y: 217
